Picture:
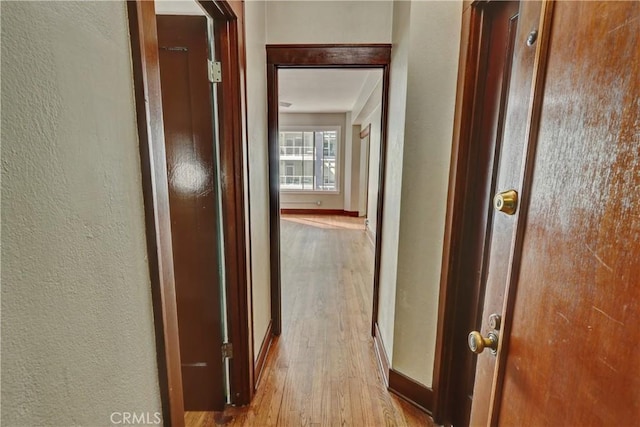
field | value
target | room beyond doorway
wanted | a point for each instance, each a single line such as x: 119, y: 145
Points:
x: 281, y: 58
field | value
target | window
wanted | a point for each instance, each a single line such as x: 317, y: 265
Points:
x: 309, y: 160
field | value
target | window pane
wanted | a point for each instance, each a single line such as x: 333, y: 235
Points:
x: 308, y: 160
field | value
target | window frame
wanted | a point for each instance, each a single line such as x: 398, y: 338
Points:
x: 315, y: 128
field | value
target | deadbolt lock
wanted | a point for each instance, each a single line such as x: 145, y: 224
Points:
x: 506, y: 201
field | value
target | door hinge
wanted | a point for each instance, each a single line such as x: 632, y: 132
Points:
x: 215, y: 71
x: 227, y: 350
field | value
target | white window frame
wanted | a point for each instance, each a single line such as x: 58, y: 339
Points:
x: 314, y: 128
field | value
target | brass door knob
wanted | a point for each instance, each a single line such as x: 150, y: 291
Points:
x: 506, y: 201
x: 477, y: 343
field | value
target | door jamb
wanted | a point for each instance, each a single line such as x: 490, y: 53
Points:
x: 319, y: 56
x: 228, y: 18
x: 452, y: 305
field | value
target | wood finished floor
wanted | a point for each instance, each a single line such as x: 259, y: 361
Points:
x: 322, y: 371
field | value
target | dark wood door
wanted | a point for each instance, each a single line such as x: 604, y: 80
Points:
x: 496, y: 44
x: 191, y: 166
x: 564, y: 269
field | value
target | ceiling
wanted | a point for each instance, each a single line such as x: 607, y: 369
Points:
x: 320, y: 91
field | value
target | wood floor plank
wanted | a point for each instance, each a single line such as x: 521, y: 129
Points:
x: 322, y: 370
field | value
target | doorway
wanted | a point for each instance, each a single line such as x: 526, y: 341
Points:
x: 227, y: 22
x: 318, y: 57
x: 185, y: 47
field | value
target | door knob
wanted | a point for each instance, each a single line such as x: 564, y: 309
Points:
x: 506, y: 201
x: 477, y: 343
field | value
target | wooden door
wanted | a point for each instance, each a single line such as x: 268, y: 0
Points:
x: 193, y: 200
x: 564, y: 269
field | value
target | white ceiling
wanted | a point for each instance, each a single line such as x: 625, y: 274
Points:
x: 320, y: 90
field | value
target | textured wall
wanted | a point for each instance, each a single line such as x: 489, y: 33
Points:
x: 77, y: 327
x: 255, y: 21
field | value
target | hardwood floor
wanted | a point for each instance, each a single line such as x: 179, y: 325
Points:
x: 322, y: 370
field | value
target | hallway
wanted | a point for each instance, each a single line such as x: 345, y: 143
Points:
x: 322, y: 371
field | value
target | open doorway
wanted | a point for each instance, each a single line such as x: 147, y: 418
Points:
x: 328, y: 119
x: 286, y: 58
x: 189, y: 104
x: 283, y: 58
x: 324, y: 365
x: 174, y: 170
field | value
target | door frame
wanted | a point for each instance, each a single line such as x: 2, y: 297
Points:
x: 365, y: 133
x: 373, y: 56
x: 458, y: 296
x: 229, y: 39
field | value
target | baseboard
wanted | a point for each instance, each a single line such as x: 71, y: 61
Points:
x: 381, y: 353
x: 399, y: 384
x: 412, y: 391
x: 262, y: 354
x: 339, y: 212
x: 371, y: 237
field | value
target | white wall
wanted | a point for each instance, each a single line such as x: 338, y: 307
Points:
x: 258, y: 168
x: 393, y: 174
x: 430, y: 71
x: 373, y: 171
x: 328, y: 22
x: 299, y: 200
x: 370, y: 113
x: 77, y: 326
x: 425, y: 37
x: 353, y: 174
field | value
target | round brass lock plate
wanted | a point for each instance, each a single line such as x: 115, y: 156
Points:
x: 506, y: 202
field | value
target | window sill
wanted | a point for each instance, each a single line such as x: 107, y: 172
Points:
x: 310, y: 192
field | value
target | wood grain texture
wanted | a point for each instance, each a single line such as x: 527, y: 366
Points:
x: 509, y: 159
x: 358, y: 55
x: 262, y: 353
x: 322, y: 369
x: 489, y: 30
x: 381, y: 355
x: 412, y: 391
x: 186, y: 102
x: 230, y: 51
x: 580, y: 263
x: 229, y: 41
x: 148, y: 95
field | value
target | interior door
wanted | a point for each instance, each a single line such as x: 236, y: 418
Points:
x: 194, y: 207
x: 562, y: 304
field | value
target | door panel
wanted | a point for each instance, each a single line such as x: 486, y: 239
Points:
x: 509, y: 157
x: 568, y: 261
x: 189, y: 139
x: 575, y: 321
x: 500, y: 23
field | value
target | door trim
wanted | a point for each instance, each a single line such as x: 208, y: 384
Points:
x: 454, y: 303
x: 453, y: 307
x: 146, y: 73
x: 319, y: 56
